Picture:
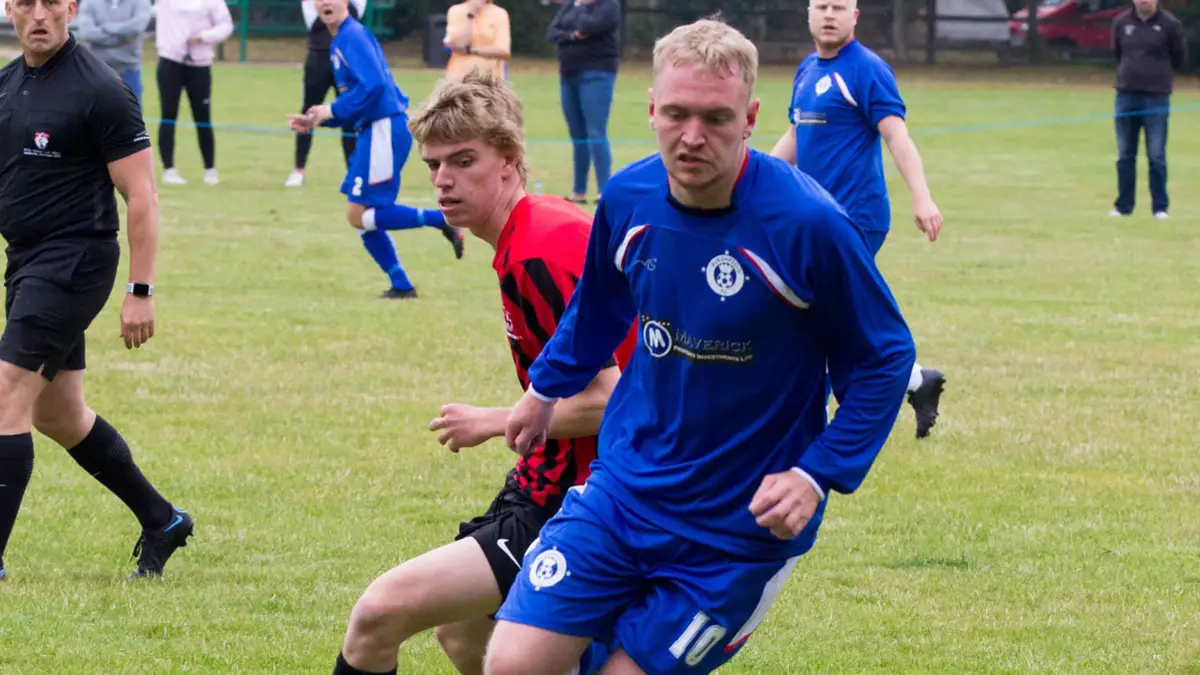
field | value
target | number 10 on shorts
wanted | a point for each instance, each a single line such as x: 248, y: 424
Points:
x: 698, y: 640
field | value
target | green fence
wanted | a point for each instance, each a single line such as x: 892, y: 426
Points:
x: 274, y: 18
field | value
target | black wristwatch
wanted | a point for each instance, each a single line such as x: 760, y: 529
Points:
x: 140, y: 290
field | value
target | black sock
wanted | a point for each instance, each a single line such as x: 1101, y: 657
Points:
x: 104, y: 454
x: 16, y: 466
x: 343, y: 668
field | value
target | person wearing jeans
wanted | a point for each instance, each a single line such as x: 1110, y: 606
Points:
x: 114, y: 30
x: 1135, y: 112
x: 586, y: 32
x: 1149, y: 46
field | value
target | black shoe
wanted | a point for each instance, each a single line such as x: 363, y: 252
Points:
x: 155, y: 547
x: 397, y: 294
x: 925, y: 398
x: 457, y: 239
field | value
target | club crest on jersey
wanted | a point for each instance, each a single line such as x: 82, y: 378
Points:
x: 41, y: 141
x: 823, y: 85
x: 724, y: 275
x: 548, y: 568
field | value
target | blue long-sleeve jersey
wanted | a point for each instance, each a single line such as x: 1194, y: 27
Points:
x: 740, y: 310
x: 366, y: 90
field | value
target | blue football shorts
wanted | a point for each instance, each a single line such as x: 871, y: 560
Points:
x: 373, y: 178
x: 675, y: 606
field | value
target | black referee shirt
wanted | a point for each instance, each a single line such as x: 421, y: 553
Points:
x: 60, y: 126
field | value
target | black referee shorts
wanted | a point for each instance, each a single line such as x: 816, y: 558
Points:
x: 52, y: 295
x: 505, y: 531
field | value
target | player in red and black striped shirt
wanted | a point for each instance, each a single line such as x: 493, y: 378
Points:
x: 471, y: 137
x: 539, y: 258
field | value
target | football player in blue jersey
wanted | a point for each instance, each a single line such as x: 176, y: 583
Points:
x: 716, y: 463
x: 370, y: 100
x: 844, y: 99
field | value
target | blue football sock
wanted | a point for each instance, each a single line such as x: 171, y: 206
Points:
x: 401, y: 217
x: 381, y: 248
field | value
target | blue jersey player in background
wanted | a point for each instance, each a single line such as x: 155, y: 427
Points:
x: 371, y: 101
x: 715, y: 462
x: 844, y: 99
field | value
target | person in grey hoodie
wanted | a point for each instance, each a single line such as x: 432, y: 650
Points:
x: 113, y: 31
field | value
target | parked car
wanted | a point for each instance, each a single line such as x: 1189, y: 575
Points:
x: 1075, y: 27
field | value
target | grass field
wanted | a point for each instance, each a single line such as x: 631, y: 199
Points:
x: 1050, y: 525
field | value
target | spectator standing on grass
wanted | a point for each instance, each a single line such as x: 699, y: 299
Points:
x: 113, y: 30
x: 318, y: 80
x: 587, y: 35
x: 186, y: 35
x: 1149, y: 47
x: 478, y: 35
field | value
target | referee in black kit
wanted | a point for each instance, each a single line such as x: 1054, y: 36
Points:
x: 71, y: 131
x: 318, y: 80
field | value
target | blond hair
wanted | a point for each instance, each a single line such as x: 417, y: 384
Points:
x: 710, y: 43
x: 477, y: 106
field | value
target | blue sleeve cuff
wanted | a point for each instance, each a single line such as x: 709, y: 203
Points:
x: 819, y: 484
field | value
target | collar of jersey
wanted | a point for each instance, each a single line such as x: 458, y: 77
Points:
x: 59, y: 56
x: 712, y: 213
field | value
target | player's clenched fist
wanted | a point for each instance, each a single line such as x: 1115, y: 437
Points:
x: 466, y: 426
x: 784, y: 503
x: 528, y: 424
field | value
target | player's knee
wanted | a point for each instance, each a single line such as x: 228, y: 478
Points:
x: 354, y: 215
x: 18, y: 392
x: 502, y: 659
x: 66, y: 425
x: 374, y: 617
x: 460, y: 648
x: 383, y: 615
x: 61, y: 414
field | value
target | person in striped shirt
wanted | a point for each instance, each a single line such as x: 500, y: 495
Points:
x: 471, y: 137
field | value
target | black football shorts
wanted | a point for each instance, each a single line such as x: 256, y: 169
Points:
x: 52, y: 295
x: 505, y: 531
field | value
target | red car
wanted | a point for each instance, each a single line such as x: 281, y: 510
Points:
x: 1075, y: 27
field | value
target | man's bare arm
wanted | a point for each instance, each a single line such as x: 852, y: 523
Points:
x: 574, y: 417
x: 925, y: 213
x: 580, y: 415
x: 785, y: 147
x: 134, y: 178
